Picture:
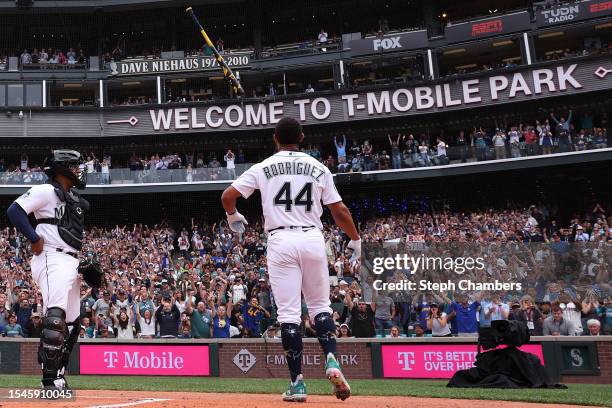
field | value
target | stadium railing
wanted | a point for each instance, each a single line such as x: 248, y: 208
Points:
x: 118, y: 176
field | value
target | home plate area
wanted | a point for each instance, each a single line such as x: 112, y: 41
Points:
x: 120, y: 399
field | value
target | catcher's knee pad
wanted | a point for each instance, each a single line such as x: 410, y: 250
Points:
x: 51, y: 349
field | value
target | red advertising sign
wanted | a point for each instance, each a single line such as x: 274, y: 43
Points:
x: 434, y: 360
x: 487, y: 27
x: 125, y: 359
x: 599, y: 7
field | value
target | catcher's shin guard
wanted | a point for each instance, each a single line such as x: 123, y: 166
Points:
x: 71, y: 340
x: 51, y: 349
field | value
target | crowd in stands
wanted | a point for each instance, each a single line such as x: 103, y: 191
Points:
x: 555, y: 133
x: 52, y: 57
x: 202, y: 280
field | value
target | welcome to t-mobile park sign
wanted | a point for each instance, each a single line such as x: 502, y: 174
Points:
x: 483, y: 91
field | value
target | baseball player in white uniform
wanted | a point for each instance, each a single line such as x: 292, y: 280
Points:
x: 294, y: 187
x: 56, y: 243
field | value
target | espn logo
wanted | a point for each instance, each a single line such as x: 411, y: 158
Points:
x: 597, y: 8
x: 493, y: 26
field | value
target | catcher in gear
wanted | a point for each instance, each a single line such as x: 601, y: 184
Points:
x: 56, y: 241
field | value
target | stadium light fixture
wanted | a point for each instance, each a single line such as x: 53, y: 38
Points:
x: 455, y: 51
x: 553, y: 34
x: 601, y: 26
x: 502, y: 43
x: 466, y: 66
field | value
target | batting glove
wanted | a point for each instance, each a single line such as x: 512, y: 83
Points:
x: 356, y: 247
x: 236, y: 222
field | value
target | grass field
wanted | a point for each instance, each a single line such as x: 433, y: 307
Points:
x: 600, y: 395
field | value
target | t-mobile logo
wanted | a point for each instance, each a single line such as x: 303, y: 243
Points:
x: 387, y: 43
x: 406, y: 359
x: 110, y: 358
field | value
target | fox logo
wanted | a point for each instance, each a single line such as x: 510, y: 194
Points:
x: 387, y: 43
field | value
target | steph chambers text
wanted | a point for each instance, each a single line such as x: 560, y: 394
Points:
x: 425, y: 285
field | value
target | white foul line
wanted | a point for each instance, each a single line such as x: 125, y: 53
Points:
x: 131, y: 404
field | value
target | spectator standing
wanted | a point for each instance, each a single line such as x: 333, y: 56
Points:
x: 201, y: 319
x: 13, y: 329
x: 556, y: 325
x: 122, y: 321
x: 465, y: 316
x: 424, y: 154
x: 531, y: 141
x: 102, y: 306
x: 167, y: 318
x: 309, y: 89
x: 23, y: 311
x: 25, y: 58
x: 384, y: 311
x: 221, y: 321
x: 396, y: 156
x: 34, y: 326
x: 530, y: 315
x: 322, y: 38
x: 362, y: 317
x: 437, y: 322
x: 499, y: 143
x: 562, y: 130
x: 462, y: 146
x: 441, y: 151
x: 493, y: 309
x: 340, y: 147
x: 147, y: 324
x: 105, y: 171
x: 515, y: 142
x: 253, y: 314
x: 230, y: 158
x: 480, y: 143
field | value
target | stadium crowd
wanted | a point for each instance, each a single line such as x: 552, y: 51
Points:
x: 52, y: 57
x: 348, y: 152
x: 201, y: 280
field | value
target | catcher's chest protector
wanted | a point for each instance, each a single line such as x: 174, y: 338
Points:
x: 71, y: 217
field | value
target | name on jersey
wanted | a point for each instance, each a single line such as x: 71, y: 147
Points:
x: 289, y: 168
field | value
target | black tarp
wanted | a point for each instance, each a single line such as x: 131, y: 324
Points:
x: 504, y: 368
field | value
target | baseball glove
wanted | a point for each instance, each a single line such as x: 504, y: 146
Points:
x: 92, y: 273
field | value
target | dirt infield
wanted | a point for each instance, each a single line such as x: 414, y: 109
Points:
x: 120, y: 399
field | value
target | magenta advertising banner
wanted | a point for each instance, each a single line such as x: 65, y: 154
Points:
x: 122, y: 359
x: 434, y: 360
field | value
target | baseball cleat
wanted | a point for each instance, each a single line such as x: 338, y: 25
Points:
x: 334, y: 374
x: 296, y: 391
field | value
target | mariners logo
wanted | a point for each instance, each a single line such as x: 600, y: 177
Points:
x: 60, y: 210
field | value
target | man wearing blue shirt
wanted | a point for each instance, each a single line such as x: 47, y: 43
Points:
x: 465, y: 316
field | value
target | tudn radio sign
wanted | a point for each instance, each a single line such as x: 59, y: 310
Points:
x: 144, y: 360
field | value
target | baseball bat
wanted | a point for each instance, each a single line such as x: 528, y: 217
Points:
x: 227, y: 72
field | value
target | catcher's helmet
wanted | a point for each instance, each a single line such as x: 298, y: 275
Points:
x: 67, y: 163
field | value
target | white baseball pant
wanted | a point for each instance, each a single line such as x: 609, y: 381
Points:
x: 56, y: 275
x: 297, y: 264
